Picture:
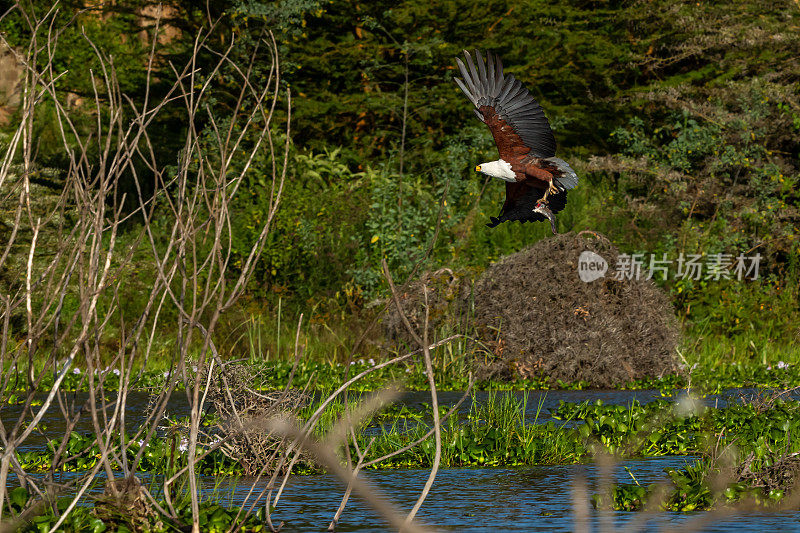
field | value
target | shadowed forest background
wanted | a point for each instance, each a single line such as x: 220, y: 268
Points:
x: 682, y: 119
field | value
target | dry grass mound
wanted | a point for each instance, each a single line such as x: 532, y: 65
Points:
x: 541, y: 319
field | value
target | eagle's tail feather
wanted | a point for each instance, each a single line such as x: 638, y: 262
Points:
x: 565, y: 178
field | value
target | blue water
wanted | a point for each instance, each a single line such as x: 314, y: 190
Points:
x: 491, y: 499
x: 536, y: 498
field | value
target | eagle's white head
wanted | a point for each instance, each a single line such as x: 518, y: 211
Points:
x: 497, y: 169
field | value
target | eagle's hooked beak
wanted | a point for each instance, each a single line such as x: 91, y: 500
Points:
x: 478, y: 168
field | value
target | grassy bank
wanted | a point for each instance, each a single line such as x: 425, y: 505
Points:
x: 714, y: 363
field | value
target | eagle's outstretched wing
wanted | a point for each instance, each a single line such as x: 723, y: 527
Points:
x: 516, y: 120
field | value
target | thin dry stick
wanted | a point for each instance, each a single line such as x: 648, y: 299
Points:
x: 423, y: 343
x: 360, y: 487
x: 651, y: 508
x: 605, y: 464
x: 314, y: 418
x: 430, y: 432
x: 337, y: 436
x: 338, y: 432
x: 284, y: 394
x: 338, y: 514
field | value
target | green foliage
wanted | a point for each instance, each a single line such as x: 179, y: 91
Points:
x: 763, y: 310
x: 691, y: 489
x: 689, y: 143
x: 652, y: 429
x: 161, y: 455
x: 718, y: 180
x: 86, y: 47
x: 492, y: 433
x: 213, y: 517
x: 723, y: 180
x: 710, y: 129
x: 400, y: 232
x: 305, y: 252
x: 761, y: 440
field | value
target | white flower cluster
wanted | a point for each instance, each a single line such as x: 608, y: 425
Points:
x: 780, y: 365
x: 77, y: 371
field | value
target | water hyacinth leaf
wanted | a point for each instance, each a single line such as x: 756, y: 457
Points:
x: 18, y: 497
x: 63, y: 503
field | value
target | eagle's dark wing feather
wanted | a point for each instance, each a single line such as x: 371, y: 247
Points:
x: 501, y: 99
x: 521, y: 199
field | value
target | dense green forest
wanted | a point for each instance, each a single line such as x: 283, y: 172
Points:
x: 681, y: 118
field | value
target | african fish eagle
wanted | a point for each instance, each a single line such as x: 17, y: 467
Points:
x: 536, y: 180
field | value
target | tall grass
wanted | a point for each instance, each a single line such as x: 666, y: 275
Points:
x: 492, y: 432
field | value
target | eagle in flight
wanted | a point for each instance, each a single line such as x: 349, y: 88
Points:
x: 536, y: 180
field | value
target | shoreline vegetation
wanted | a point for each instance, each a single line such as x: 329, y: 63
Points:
x: 737, y: 453
x: 266, y: 210
x: 494, y: 433
x: 322, y: 377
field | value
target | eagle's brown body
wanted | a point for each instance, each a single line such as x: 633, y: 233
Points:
x: 524, y: 140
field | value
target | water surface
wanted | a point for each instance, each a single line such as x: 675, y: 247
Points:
x: 490, y: 499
